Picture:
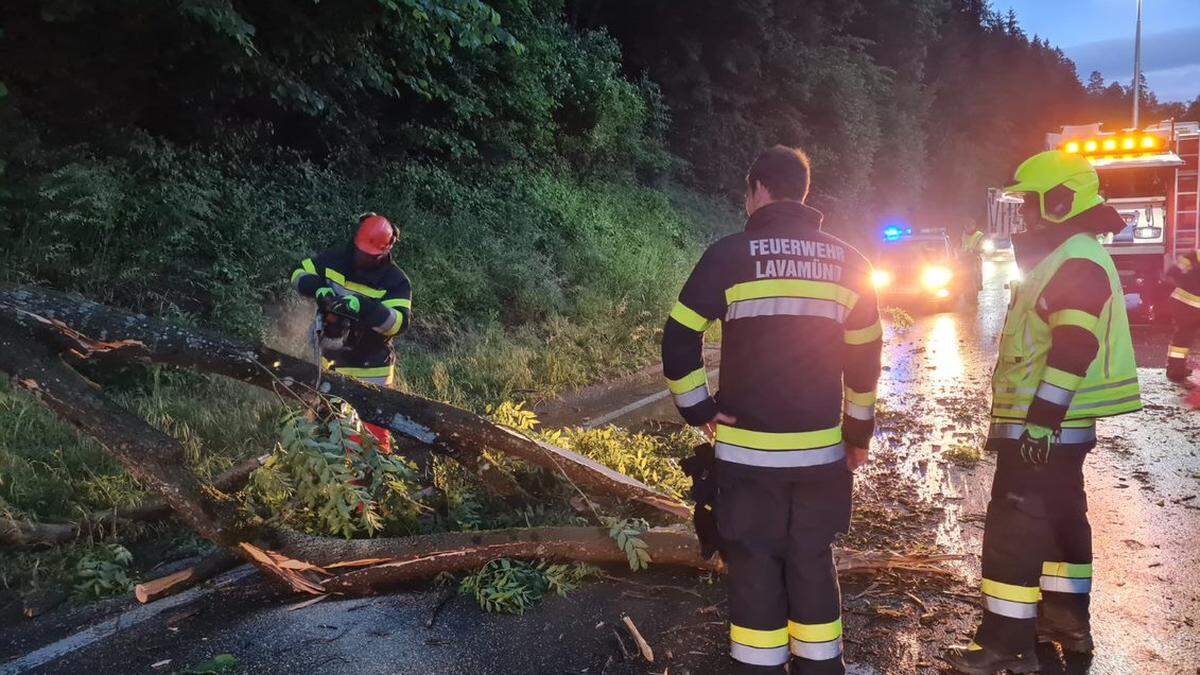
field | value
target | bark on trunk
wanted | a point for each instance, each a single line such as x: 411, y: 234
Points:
x: 428, y: 421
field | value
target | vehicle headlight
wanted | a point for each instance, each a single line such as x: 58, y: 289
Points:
x: 881, y: 278
x: 988, y: 246
x: 1147, y: 232
x: 935, y: 277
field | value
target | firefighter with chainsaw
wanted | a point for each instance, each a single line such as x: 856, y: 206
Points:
x: 1066, y: 358
x: 800, y: 357
x: 363, y: 301
x: 1185, y: 301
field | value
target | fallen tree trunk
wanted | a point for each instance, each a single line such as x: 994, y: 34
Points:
x: 318, y: 565
x: 20, y: 532
x: 429, y: 421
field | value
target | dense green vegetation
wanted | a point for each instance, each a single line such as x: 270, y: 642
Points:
x: 557, y: 165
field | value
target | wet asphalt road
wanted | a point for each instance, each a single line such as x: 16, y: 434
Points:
x: 1143, y: 483
x: 1143, y: 480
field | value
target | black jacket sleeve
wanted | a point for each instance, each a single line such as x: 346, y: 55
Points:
x: 309, y: 275
x: 701, y: 302
x: 392, y: 314
x: 1071, y: 305
x: 861, y: 365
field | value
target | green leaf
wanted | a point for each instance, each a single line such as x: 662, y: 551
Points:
x: 221, y: 663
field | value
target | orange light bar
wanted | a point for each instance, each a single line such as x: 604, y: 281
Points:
x: 1110, y: 144
x: 1090, y: 145
x: 1149, y: 141
x: 1072, y: 147
x: 1128, y: 143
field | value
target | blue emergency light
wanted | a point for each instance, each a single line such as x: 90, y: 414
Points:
x: 895, y: 232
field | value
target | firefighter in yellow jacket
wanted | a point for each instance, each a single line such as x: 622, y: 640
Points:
x: 1066, y: 358
x: 800, y: 352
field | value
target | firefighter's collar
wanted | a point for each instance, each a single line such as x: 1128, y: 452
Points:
x: 785, y: 213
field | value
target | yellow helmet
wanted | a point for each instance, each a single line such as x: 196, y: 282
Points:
x: 1066, y: 184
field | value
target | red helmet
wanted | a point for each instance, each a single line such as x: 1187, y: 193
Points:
x: 375, y: 235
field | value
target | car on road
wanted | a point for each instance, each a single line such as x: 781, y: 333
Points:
x: 923, y: 270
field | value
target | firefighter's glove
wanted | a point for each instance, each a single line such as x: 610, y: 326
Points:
x: 1035, y: 444
x: 348, y: 306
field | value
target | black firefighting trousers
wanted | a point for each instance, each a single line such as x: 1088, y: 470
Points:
x: 1187, y: 328
x: 1037, y: 548
x: 776, y: 528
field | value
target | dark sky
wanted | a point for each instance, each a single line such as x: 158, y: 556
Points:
x: 1098, y: 35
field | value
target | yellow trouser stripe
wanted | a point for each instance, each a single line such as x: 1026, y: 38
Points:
x: 791, y: 288
x: 380, y: 371
x: 397, y: 303
x: 762, y: 440
x: 815, y: 632
x: 1174, y: 352
x: 696, y: 378
x: 337, y: 277
x: 1068, y: 570
x: 1061, y: 378
x: 689, y: 317
x: 1010, y: 592
x: 1185, y: 297
x: 763, y: 639
x: 1074, y: 317
x: 859, y: 398
x: 862, y: 336
x: 297, y: 274
x: 308, y: 266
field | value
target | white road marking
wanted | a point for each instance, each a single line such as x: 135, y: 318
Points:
x: 129, y: 619
x: 625, y: 410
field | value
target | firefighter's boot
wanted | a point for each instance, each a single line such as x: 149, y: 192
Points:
x: 1178, y: 373
x: 976, y: 660
x: 1063, y: 623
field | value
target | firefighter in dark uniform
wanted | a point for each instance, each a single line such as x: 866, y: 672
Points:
x: 359, y: 286
x: 1066, y: 358
x: 1185, y: 301
x: 800, y: 357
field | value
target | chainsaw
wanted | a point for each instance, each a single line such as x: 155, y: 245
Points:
x: 336, y: 321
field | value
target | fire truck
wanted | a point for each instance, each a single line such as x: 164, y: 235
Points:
x: 1150, y: 177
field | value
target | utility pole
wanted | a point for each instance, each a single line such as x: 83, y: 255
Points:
x: 1137, y: 66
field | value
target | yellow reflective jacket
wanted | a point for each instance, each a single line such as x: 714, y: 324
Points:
x: 1110, y: 386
